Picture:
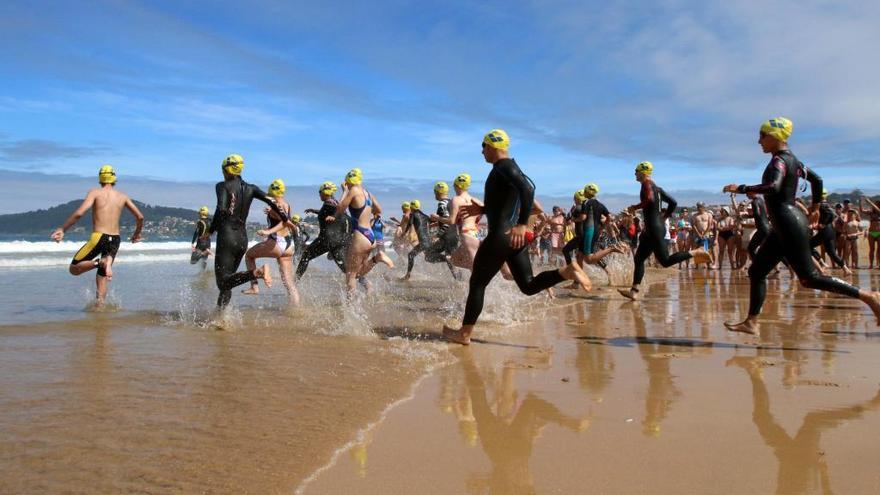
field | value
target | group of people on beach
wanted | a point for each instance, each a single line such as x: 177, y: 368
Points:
x: 351, y: 231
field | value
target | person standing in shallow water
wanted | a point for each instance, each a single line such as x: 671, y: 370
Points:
x: 201, y: 241
x: 652, y: 239
x: 99, y: 252
x: 508, y: 201
x: 234, y: 197
x: 789, y: 237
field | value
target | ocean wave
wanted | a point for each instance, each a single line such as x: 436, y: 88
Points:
x: 29, y: 247
x: 34, y: 262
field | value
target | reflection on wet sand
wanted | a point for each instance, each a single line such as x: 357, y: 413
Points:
x: 802, y: 463
x: 507, y: 431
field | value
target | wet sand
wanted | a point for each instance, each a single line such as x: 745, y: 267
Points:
x: 584, y: 393
x: 609, y: 396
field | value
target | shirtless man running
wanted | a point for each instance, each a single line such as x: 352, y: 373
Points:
x: 99, y: 252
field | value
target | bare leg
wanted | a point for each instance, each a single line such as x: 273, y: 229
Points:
x: 266, y: 249
x: 358, y: 252
x: 82, y: 267
x: 285, y: 267
x: 100, y: 289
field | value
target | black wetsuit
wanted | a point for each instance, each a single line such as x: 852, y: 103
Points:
x: 789, y: 238
x: 333, y: 237
x: 508, y: 202
x: 578, y: 240
x: 762, y: 225
x: 202, y: 242
x: 592, y: 225
x: 300, y: 238
x: 434, y: 252
x: 826, y: 236
x: 234, y: 197
x: 652, y: 240
x: 448, y: 234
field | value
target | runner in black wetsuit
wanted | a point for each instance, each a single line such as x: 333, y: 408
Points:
x: 447, y: 241
x: 508, y: 202
x: 575, y: 214
x: 825, y: 235
x: 234, y: 197
x: 299, y: 237
x: 789, y: 238
x: 201, y: 241
x: 333, y: 237
x: 651, y: 240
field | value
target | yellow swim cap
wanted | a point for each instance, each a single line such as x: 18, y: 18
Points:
x: 824, y: 193
x: 328, y: 188
x: 646, y: 168
x: 106, y: 175
x: 463, y: 181
x: 277, y: 188
x: 579, y: 196
x: 780, y: 128
x: 203, y: 211
x: 295, y: 218
x: 415, y: 204
x: 497, y: 139
x: 354, y: 176
x: 441, y: 187
x: 592, y: 189
x: 233, y: 164
x: 405, y: 206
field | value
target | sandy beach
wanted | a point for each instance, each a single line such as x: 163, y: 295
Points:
x: 584, y: 393
x: 650, y: 397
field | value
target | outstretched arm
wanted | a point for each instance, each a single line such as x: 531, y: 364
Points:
x: 775, y: 174
x: 87, y: 203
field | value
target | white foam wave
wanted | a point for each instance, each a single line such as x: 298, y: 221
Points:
x: 29, y: 247
x: 61, y: 261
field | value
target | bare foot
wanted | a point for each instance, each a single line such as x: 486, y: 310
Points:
x: 573, y: 285
x: 846, y: 270
x: 265, y: 275
x: 383, y: 258
x: 629, y: 294
x: 746, y: 326
x: 574, y: 272
x: 404, y: 278
x: 106, y: 264
x: 550, y: 293
x: 873, y: 301
x: 456, y: 336
x: 253, y: 291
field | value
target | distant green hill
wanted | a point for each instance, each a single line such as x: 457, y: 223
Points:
x: 44, y: 221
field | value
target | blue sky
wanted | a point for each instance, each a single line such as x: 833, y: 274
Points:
x: 405, y: 90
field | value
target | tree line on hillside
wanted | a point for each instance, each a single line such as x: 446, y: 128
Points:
x: 39, y: 221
